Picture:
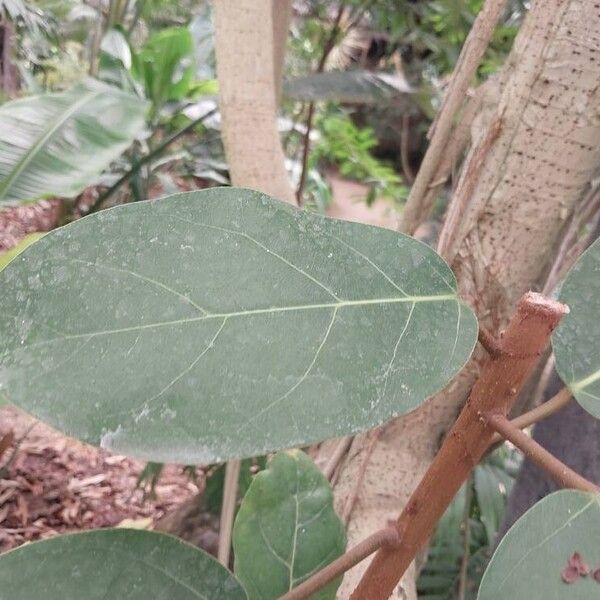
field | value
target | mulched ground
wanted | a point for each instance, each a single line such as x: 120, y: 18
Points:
x: 53, y: 484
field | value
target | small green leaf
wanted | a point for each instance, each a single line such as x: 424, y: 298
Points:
x: 530, y: 559
x: 6, y: 257
x: 286, y: 528
x: 223, y: 323
x: 576, y: 342
x: 114, y: 563
x: 57, y: 144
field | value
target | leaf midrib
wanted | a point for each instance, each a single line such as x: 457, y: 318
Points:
x: 257, y: 311
x: 46, y: 135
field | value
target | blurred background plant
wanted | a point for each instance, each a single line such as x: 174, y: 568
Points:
x: 363, y: 81
x: 466, y: 536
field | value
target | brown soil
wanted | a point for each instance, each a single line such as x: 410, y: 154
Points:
x: 51, y: 484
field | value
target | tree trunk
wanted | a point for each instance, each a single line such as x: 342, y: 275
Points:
x: 251, y: 37
x: 250, y: 40
x: 526, y: 170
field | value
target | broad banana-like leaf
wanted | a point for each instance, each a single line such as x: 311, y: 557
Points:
x: 576, y: 341
x: 286, y: 529
x: 57, y: 144
x: 539, y: 555
x: 346, y: 86
x: 114, y: 563
x: 223, y: 323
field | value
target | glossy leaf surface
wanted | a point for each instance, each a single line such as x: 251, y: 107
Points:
x: 286, y: 529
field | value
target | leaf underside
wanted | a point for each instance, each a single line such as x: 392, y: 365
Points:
x: 223, y: 323
x: 114, y: 563
x: 576, y: 342
x: 531, y: 557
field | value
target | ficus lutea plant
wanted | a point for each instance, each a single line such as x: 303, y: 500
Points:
x: 224, y: 324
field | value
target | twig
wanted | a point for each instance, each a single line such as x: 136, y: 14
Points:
x: 490, y: 344
x: 407, y: 171
x: 336, y: 456
x: 230, y: 487
x: 351, y: 500
x: 468, y: 182
x: 563, y: 475
x: 464, y: 562
x: 540, y: 412
x: 388, y: 537
x: 471, y: 54
x: 573, y: 244
x: 459, y: 141
x: 146, y: 159
x: 327, y: 48
x: 501, y: 379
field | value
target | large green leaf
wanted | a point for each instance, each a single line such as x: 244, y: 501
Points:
x: 530, y: 559
x: 57, y: 144
x: 6, y: 257
x: 114, y: 563
x: 347, y: 86
x: 286, y: 529
x: 576, y: 342
x: 223, y: 323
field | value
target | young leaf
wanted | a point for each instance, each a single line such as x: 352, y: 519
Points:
x: 530, y: 559
x: 286, y: 529
x: 114, y: 563
x: 56, y: 144
x: 576, y: 342
x: 223, y: 323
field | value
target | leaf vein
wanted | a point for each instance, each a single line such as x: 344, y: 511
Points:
x: 266, y: 249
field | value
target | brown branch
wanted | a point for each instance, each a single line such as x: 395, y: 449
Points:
x: 327, y: 48
x: 336, y: 456
x: 471, y: 54
x: 407, y: 171
x: 384, y: 538
x: 540, y: 412
x: 489, y: 343
x: 230, y: 488
x: 563, y: 475
x: 496, y: 390
x: 468, y: 182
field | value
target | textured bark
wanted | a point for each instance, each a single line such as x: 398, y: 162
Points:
x: 250, y: 44
x: 527, y: 169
